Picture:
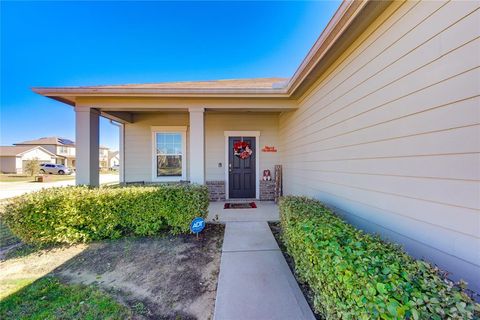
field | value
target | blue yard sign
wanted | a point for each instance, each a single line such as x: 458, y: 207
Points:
x: 197, y: 225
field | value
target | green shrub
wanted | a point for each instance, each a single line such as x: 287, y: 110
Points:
x: 81, y: 214
x: 355, y: 275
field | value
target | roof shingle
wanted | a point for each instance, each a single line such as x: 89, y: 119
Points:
x: 48, y: 141
x: 256, y: 83
x: 8, y: 151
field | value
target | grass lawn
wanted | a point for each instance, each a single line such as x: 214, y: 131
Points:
x: 48, y: 298
x: 165, y: 277
x: 25, y: 178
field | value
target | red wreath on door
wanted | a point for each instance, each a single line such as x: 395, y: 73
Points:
x: 242, y: 149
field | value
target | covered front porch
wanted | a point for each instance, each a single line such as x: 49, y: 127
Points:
x: 196, y: 141
x: 266, y: 211
x: 66, y: 161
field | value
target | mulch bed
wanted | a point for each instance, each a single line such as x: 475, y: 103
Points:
x: 306, y: 290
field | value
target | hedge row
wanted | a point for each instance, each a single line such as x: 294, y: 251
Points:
x: 355, y: 275
x: 81, y: 214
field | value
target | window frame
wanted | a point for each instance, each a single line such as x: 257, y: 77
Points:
x: 182, y: 130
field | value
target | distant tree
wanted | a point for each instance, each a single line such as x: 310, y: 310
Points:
x: 32, y: 167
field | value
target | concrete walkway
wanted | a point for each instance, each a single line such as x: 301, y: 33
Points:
x: 255, y: 281
x: 265, y: 211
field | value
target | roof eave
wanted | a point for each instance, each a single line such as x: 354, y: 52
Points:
x: 68, y: 95
x: 352, y: 18
x: 34, y: 148
x: 334, y: 27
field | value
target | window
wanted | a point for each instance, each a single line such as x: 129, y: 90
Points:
x: 169, y: 153
x: 64, y: 149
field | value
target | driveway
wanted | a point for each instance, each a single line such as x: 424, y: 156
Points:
x: 13, y: 189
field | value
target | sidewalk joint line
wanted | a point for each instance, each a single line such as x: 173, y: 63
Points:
x: 254, y: 250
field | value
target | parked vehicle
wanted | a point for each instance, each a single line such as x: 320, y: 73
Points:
x: 52, y: 168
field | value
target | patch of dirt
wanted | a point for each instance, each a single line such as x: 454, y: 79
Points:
x: 170, y: 277
x: 306, y: 290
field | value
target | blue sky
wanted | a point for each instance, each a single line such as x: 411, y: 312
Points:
x: 68, y: 43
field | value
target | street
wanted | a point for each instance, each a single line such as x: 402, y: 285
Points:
x: 13, y: 189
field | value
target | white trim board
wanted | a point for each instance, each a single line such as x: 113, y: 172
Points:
x: 255, y: 134
x: 179, y: 129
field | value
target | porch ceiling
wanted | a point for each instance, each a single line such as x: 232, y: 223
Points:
x: 128, y: 115
x: 122, y: 109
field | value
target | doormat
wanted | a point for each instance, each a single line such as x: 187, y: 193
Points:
x: 240, y: 205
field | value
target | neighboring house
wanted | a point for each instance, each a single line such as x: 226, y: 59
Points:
x: 380, y: 121
x: 14, y: 158
x: 114, y: 159
x: 64, y: 149
x: 103, y: 157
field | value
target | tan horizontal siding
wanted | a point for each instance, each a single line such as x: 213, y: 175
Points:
x: 432, y: 212
x: 432, y: 190
x: 390, y: 134
x: 445, y: 166
x: 138, y: 142
x: 217, y: 123
x: 461, y: 114
x: 460, y: 66
x: 456, y: 140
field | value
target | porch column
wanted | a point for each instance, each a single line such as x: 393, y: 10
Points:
x: 121, y: 152
x: 197, y: 146
x: 87, y: 144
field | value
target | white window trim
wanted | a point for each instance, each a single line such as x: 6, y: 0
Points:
x: 169, y: 129
x: 255, y: 134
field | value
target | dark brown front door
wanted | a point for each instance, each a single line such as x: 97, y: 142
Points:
x: 241, y: 179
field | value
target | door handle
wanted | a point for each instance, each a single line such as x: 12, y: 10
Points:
x: 230, y: 167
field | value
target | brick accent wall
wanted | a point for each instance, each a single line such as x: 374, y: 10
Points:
x: 216, y: 190
x: 267, y: 190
